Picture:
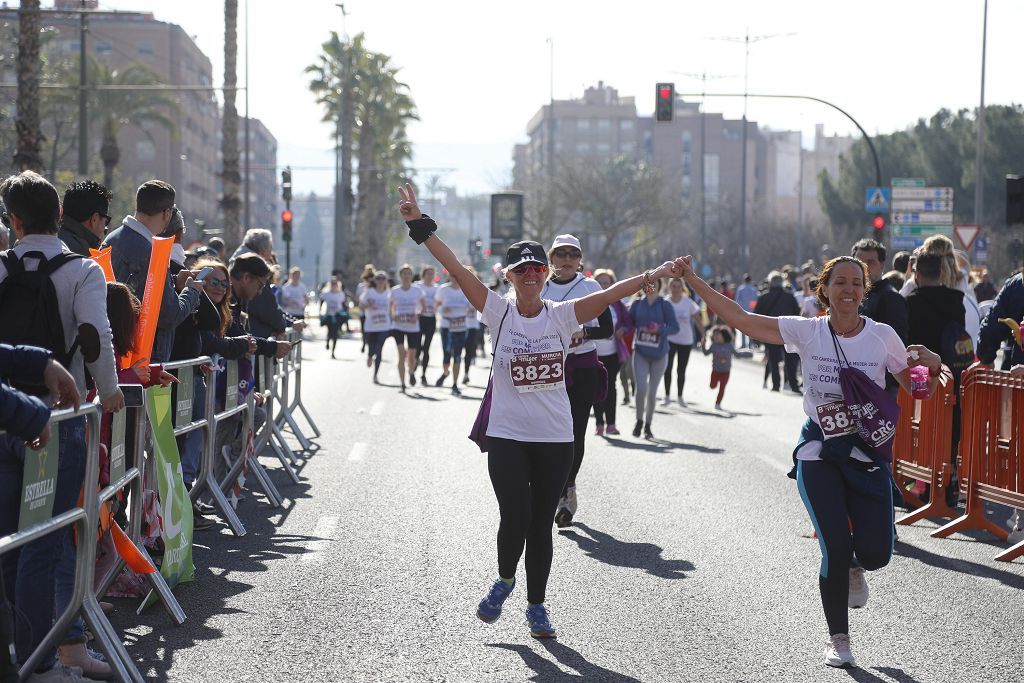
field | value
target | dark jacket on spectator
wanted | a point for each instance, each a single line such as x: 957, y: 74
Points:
x: 883, y: 304
x: 775, y: 302
x: 76, y: 237
x: 187, y: 341
x: 930, y: 310
x: 1009, y: 303
x: 266, y: 318
x: 22, y: 415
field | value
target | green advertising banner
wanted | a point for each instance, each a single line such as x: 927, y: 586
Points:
x: 175, y: 505
x: 39, y: 483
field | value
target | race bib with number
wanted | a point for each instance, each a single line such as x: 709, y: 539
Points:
x: 835, y: 419
x: 378, y: 318
x: 406, y: 319
x: 647, y: 338
x: 537, y: 371
x: 457, y: 324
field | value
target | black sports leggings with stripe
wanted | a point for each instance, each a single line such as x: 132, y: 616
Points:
x: 683, y: 353
x: 528, y: 479
x: 850, y: 504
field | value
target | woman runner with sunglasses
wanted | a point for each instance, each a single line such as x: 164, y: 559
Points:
x: 375, y: 304
x: 586, y: 377
x: 845, y: 484
x: 530, y: 428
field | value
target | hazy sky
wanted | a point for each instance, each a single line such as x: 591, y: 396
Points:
x: 479, y: 70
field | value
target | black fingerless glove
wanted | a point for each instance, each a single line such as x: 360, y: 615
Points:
x: 421, y: 228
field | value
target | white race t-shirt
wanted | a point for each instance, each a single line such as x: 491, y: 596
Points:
x: 429, y: 304
x: 607, y: 347
x: 577, y: 288
x: 335, y: 301
x: 685, y: 310
x: 293, y: 299
x: 529, y: 400
x: 876, y: 348
x: 376, y: 307
x: 454, y: 308
x: 406, y: 305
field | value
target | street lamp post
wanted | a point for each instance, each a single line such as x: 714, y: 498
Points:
x: 979, y: 158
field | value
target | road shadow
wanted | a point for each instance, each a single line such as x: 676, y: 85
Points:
x: 546, y: 671
x: 661, y: 446
x: 417, y: 396
x: 898, y: 675
x: 609, y: 550
x: 724, y: 413
x: 958, y: 565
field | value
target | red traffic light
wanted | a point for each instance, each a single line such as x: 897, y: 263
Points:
x: 879, y: 223
x: 286, y: 216
x: 665, y: 92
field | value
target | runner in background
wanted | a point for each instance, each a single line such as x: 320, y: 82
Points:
x: 679, y: 344
x: 654, y: 320
x: 428, y: 318
x: 375, y: 303
x: 586, y: 378
x: 473, y: 337
x: 613, y: 354
x: 295, y: 295
x: 722, y: 349
x: 406, y: 306
x: 746, y: 296
x: 454, y: 309
x: 365, y: 283
x: 334, y: 311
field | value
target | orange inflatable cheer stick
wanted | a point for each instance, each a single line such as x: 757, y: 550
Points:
x: 102, y: 257
x: 156, y: 279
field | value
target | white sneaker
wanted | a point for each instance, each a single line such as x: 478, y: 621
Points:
x: 666, y: 401
x: 858, y: 588
x: 682, y: 403
x: 838, y: 652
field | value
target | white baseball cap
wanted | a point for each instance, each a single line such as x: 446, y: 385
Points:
x: 567, y: 241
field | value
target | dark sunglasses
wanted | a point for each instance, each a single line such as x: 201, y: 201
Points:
x: 524, y: 268
x: 567, y: 253
x: 106, y: 219
x: 217, y: 282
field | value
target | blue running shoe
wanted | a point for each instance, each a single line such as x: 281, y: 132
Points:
x: 490, y: 607
x: 540, y: 625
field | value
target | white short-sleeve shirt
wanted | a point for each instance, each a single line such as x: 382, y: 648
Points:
x: 533, y: 416
x: 429, y: 291
x: 685, y: 309
x: 376, y: 307
x: 406, y: 305
x: 454, y: 308
x: 577, y: 288
x: 874, y: 349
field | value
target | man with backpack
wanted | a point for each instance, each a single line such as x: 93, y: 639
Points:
x: 131, y: 247
x: 57, y: 300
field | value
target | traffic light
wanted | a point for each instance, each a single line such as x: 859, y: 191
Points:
x: 665, y: 100
x: 286, y: 225
x: 286, y: 184
x: 878, y: 223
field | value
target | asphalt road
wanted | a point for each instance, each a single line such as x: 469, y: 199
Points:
x: 691, y: 560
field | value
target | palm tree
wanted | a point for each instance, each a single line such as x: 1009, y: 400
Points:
x: 230, y: 174
x: 28, y: 156
x: 113, y: 109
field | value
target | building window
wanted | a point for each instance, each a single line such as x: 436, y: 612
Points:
x: 604, y: 148
x: 687, y: 142
x: 582, y: 124
x: 145, y: 150
x: 583, y: 148
x: 604, y: 124
x: 626, y: 124
x: 711, y: 175
x: 144, y: 47
x: 627, y: 148
x: 103, y: 47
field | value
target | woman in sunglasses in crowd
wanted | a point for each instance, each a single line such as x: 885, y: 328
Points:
x: 530, y: 428
x: 586, y: 378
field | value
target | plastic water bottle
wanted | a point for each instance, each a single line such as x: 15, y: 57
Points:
x: 919, y: 382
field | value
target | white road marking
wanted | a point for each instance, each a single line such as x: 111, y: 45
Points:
x: 377, y: 409
x: 323, y: 534
x: 358, y: 451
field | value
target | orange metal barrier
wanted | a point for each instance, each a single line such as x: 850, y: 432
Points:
x: 921, y: 449
x: 992, y: 449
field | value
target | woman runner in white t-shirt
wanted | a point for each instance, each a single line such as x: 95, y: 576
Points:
x: 406, y: 306
x: 845, y: 485
x: 681, y: 343
x: 428, y: 319
x: 530, y: 428
x: 375, y: 305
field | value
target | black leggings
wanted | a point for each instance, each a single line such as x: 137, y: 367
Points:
x: 604, y: 412
x: 472, y: 339
x: 850, y: 505
x: 527, y: 480
x: 581, y: 400
x: 333, y: 325
x: 375, y: 344
x: 683, y: 351
x: 428, y: 325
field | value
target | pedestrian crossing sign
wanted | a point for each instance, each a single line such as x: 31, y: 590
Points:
x: 876, y: 200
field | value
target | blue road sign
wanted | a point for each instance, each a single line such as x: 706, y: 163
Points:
x: 877, y: 200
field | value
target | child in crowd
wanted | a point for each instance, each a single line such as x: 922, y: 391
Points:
x: 721, y: 351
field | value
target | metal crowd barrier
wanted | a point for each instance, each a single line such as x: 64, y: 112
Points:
x: 85, y: 519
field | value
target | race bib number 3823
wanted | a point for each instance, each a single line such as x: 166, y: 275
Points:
x: 835, y: 419
x: 537, y: 371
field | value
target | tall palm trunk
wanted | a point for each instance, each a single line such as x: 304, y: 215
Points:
x: 365, y: 242
x: 110, y: 153
x: 230, y: 175
x: 28, y: 156
x: 346, y: 131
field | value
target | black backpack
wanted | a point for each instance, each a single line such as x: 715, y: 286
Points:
x: 957, y: 348
x: 29, y: 314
